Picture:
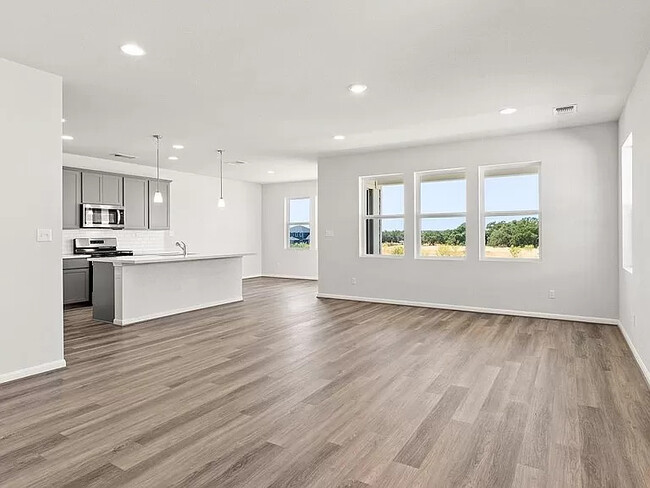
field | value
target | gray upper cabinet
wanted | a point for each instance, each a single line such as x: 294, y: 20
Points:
x: 71, y: 199
x: 159, y: 212
x: 101, y: 188
x: 136, y: 195
x: 112, y: 190
x: 133, y: 192
x: 91, y: 187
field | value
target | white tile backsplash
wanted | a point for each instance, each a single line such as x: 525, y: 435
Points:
x: 138, y: 241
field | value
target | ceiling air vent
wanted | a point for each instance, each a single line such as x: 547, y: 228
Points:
x: 236, y: 163
x: 567, y: 109
x: 123, y: 156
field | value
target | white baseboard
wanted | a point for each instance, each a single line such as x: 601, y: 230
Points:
x: 635, y: 353
x: 168, y: 313
x: 291, y: 277
x: 41, y: 368
x: 251, y: 276
x: 462, y: 308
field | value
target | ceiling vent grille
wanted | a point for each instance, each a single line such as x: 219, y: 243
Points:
x: 566, y: 109
x: 236, y: 163
x: 123, y: 156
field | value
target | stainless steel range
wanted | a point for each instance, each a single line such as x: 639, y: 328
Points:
x: 98, y: 247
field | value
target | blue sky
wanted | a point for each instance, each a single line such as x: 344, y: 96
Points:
x: 502, y: 193
x: 299, y: 210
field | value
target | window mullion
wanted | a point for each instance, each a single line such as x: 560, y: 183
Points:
x: 442, y: 215
x: 510, y: 213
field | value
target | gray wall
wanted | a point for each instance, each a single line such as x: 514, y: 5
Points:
x: 580, y: 222
x: 276, y: 259
x: 635, y: 287
x: 31, y: 330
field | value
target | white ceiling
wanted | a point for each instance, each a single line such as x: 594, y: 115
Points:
x: 266, y: 80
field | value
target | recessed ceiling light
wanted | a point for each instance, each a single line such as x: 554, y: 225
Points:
x: 173, y: 158
x: 271, y: 172
x: 132, y: 50
x: 67, y: 138
x: 339, y: 137
x: 357, y: 88
x: 63, y: 121
x: 507, y: 111
x: 178, y: 146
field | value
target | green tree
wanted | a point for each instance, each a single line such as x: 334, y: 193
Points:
x: 450, y: 237
x: 393, y: 236
x: 516, y: 233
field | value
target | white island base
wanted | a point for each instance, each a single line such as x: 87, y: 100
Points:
x: 128, y: 290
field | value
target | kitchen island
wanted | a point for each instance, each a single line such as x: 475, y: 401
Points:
x: 132, y: 289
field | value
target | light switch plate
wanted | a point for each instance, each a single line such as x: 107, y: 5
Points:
x: 44, y: 235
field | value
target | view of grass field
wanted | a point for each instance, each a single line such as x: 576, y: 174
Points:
x: 444, y: 250
x: 299, y: 245
x: 506, y: 239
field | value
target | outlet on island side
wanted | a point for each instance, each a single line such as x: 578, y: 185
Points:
x: 551, y: 294
x: 354, y: 281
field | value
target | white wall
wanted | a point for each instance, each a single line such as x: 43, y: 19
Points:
x: 31, y: 329
x: 277, y: 259
x: 195, y: 217
x: 635, y: 287
x: 579, y: 244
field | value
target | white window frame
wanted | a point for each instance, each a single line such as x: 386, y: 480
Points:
x: 437, y: 215
x: 509, y: 169
x: 363, y: 217
x: 288, y: 223
x: 627, y: 200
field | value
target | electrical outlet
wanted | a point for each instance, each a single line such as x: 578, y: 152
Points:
x: 329, y: 233
x: 354, y: 281
x: 551, y: 294
x: 44, y: 235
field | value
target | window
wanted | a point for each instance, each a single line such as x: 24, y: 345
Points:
x: 627, y: 171
x: 441, y: 213
x: 298, y: 223
x: 382, y: 215
x: 510, y: 213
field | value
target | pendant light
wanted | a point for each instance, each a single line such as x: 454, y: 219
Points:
x: 222, y: 202
x: 157, y: 197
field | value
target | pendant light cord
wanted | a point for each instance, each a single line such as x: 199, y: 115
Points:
x: 157, y: 137
x: 221, y: 171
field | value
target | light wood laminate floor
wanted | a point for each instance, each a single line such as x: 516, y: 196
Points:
x: 285, y: 390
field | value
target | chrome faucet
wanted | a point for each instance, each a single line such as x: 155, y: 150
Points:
x: 183, y: 246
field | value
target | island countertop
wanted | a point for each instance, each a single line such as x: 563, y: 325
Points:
x: 165, y: 258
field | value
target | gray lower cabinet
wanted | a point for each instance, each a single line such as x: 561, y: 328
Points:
x: 136, y: 196
x: 71, y: 199
x: 159, y: 212
x: 76, y: 281
x: 100, y: 188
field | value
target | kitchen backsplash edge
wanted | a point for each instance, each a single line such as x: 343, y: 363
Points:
x: 138, y: 241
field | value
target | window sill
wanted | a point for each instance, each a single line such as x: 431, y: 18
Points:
x: 441, y: 258
x: 512, y: 260
x: 381, y: 256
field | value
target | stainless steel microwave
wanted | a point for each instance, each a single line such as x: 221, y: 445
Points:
x: 102, y: 216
